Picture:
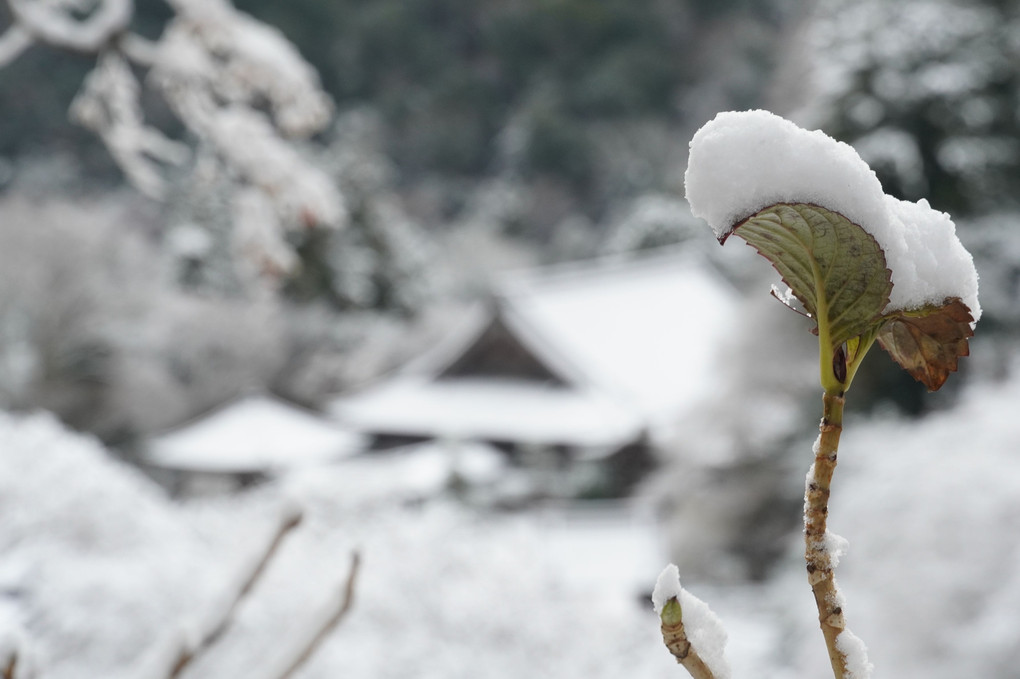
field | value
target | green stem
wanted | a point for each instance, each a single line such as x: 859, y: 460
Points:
x: 862, y: 345
x: 816, y: 509
x: 675, y: 637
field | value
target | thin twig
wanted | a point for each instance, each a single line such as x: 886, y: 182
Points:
x: 189, y: 653
x: 346, y: 601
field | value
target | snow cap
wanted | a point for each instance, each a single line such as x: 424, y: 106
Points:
x: 743, y: 162
x: 666, y: 587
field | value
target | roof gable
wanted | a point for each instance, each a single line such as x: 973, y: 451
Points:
x: 499, y: 351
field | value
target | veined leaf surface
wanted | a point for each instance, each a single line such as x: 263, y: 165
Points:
x: 834, y: 267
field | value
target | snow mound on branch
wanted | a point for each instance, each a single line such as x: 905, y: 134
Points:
x: 743, y: 162
x: 706, y: 633
x: 703, y: 627
x: 666, y: 587
x: 857, y: 664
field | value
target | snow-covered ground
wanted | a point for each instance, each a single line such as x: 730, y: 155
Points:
x: 101, y: 575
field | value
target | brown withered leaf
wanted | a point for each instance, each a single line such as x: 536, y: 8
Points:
x: 928, y: 342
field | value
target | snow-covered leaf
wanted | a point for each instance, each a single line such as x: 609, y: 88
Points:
x: 928, y: 342
x: 834, y: 267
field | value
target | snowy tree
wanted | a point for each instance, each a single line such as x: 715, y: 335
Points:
x: 384, y: 260
x: 238, y: 87
x: 926, y: 90
x: 94, y: 330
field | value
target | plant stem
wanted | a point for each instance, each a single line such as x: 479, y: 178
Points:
x: 816, y: 507
x: 675, y: 637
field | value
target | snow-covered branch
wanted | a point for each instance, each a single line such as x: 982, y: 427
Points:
x: 241, y: 90
x: 690, y: 629
x: 13, y: 42
x: 108, y: 104
x: 56, y: 22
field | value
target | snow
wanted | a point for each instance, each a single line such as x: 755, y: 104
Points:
x: 56, y: 23
x: 928, y: 261
x: 743, y: 162
x: 409, y: 473
x: 257, y: 433
x: 644, y: 330
x: 89, y: 544
x: 95, y: 561
x: 667, y: 587
x: 856, y: 653
x: 837, y: 547
x: 706, y: 633
x: 490, y: 409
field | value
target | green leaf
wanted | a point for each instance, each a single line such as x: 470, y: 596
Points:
x: 834, y: 267
x: 928, y: 342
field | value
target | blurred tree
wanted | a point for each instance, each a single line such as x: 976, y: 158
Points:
x: 235, y: 85
x: 449, y: 76
x: 457, y: 83
x: 927, y: 91
x: 90, y: 330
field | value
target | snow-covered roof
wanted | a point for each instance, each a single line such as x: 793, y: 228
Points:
x: 646, y: 330
x: 257, y: 433
x: 494, y: 410
x: 633, y: 343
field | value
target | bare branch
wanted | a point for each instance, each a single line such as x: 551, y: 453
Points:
x: 289, y: 522
x: 344, y: 605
